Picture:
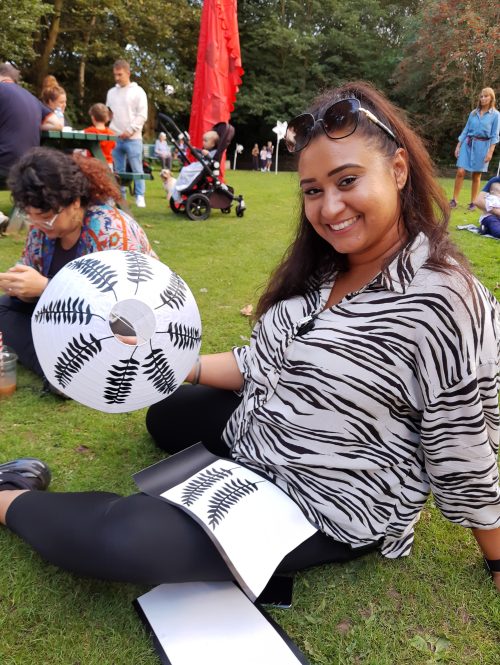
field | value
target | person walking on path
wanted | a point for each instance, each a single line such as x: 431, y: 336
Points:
x: 129, y: 106
x: 255, y: 157
x: 476, y: 144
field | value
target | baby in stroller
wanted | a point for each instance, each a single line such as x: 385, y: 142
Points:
x: 188, y: 174
x: 200, y: 188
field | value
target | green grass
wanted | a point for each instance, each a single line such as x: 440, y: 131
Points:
x: 371, y: 611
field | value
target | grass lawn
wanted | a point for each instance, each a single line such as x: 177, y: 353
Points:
x: 436, y: 606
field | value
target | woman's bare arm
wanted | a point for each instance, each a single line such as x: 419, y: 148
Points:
x: 218, y: 370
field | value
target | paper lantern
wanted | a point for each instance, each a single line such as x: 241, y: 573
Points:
x: 116, y: 331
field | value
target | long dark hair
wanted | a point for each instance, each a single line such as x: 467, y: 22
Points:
x: 48, y: 179
x: 424, y: 207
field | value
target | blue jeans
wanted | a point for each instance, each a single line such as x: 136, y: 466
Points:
x: 130, y: 150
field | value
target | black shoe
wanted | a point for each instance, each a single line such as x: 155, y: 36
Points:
x: 27, y: 473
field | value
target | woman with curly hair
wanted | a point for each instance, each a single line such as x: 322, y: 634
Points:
x: 69, y: 201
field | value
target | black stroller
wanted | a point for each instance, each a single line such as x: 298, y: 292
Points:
x: 206, y: 191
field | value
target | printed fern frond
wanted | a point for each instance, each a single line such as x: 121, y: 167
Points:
x: 138, y: 269
x: 174, y: 295
x: 202, y: 482
x: 120, y: 380
x: 66, y: 311
x: 183, y: 337
x: 75, y: 356
x: 157, y: 370
x: 100, y: 275
x: 228, y: 496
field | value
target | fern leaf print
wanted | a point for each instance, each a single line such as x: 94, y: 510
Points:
x: 183, y: 337
x: 228, y: 496
x: 202, y: 482
x: 75, y: 356
x: 120, y: 380
x: 174, y: 295
x: 158, y: 370
x: 100, y: 275
x: 138, y: 269
x: 66, y: 311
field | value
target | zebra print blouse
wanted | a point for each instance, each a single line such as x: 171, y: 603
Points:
x: 360, y: 410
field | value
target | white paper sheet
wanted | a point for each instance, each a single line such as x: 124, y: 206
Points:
x: 214, y: 624
x: 253, y: 522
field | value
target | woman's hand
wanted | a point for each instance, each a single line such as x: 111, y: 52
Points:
x: 489, y: 156
x: 457, y: 150
x: 23, y: 282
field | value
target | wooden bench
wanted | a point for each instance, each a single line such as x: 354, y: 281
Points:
x: 128, y: 178
x: 149, y: 153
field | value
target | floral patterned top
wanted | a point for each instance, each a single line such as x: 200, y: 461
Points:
x: 104, y: 227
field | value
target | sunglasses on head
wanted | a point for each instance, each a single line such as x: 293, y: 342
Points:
x: 338, y: 121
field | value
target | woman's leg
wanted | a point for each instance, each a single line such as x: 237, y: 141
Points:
x: 15, y: 324
x: 192, y: 414
x: 459, y: 181
x: 476, y: 183
x: 138, y: 539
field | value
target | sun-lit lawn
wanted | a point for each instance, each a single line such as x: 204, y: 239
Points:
x: 372, y: 611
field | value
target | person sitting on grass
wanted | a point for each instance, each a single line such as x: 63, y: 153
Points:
x: 369, y: 382
x: 489, y: 201
x: 69, y: 202
x: 100, y: 116
x: 188, y: 174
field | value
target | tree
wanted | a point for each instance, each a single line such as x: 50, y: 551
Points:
x: 451, y: 54
x: 78, y: 40
x: 19, y: 21
x: 292, y: 49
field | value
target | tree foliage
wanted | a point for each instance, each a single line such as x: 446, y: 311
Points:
x: 20, y: 21
x: 452, y: 53
x: 431, y: 56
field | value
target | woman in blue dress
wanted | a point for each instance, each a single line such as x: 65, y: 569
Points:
x: 476, y: 144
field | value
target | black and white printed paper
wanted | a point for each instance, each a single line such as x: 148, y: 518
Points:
x: 252, y: 522
x: 213, y: 623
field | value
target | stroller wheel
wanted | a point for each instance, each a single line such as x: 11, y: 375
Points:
x: 198, y: 207
x: 226, y: 211
x: 176, y: 207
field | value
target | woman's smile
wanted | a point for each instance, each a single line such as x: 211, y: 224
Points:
x: 342, y: 226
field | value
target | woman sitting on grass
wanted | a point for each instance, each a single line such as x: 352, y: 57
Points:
x: 369, y: 382
x: 69, y: 201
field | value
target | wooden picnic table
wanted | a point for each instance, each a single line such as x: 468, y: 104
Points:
x: 74, y: 139
x: 78, y: 139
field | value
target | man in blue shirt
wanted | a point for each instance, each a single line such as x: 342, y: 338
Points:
x: 22, y: 116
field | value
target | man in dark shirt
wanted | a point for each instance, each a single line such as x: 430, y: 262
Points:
x: 22, y: 116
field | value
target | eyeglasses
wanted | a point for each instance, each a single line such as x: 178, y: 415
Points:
x: 338, y: 121
x: 46, y: 224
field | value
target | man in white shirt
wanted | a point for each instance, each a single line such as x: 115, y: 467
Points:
x: 129, y: 106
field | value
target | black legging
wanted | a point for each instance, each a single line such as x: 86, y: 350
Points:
x: 142, y: 539
x: 15, y: 323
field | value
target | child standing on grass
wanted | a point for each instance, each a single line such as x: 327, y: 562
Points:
x: 99, y: 115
